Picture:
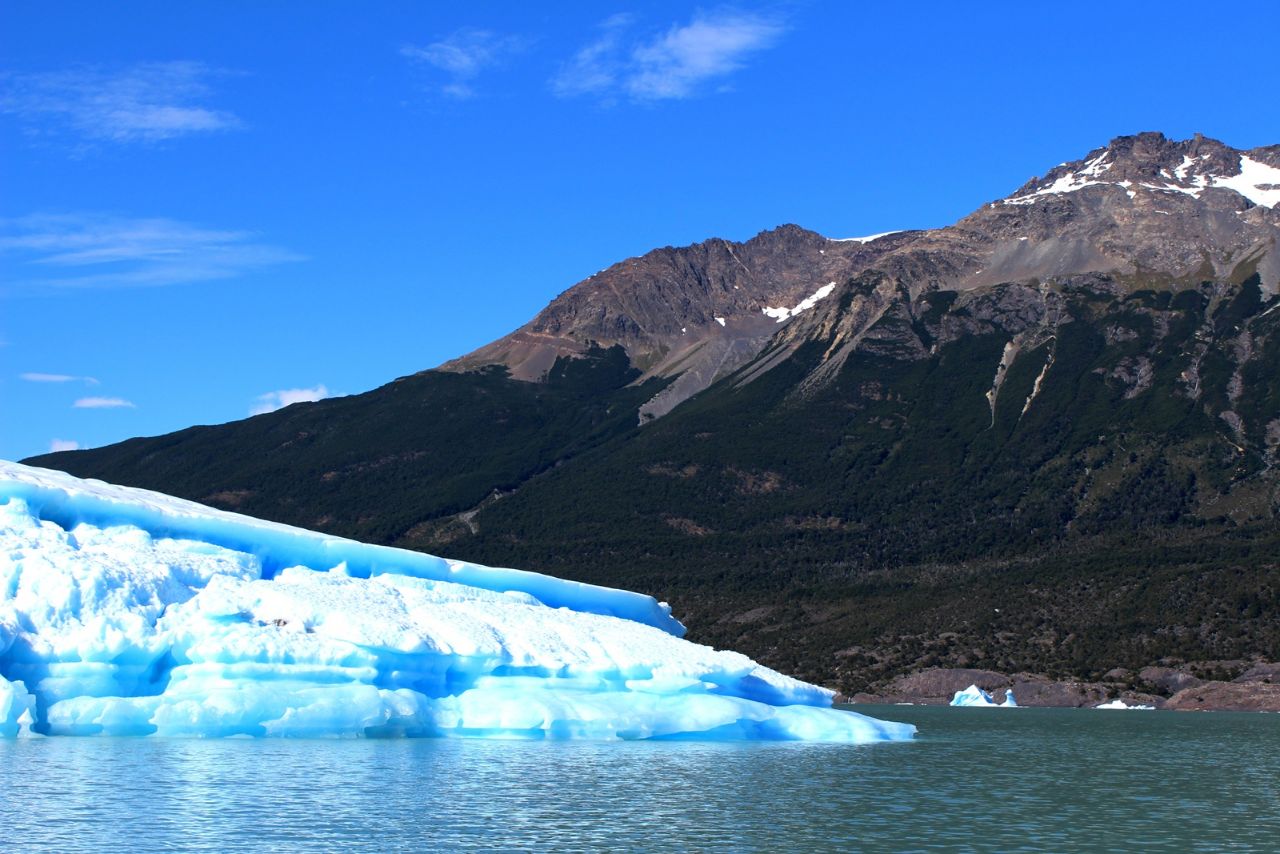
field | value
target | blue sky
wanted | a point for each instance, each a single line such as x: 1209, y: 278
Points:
x: 209, y: 209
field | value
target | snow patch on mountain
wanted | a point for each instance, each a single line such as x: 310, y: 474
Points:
x: 1257, y: 181
x: 783, y: 314
x: 867, y: 239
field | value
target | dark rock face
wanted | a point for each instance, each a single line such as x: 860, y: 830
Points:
x: 1070, y: 694
x: 1267, y: 673
x: 1168, y: 681
x: 663, y: 304
x: 696, y: 313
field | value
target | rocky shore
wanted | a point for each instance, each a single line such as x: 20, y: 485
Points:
x: 1236, y: 686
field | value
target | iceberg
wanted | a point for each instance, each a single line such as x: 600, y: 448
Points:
x: 975, y: 696
x: 1120, y: 704
x: 129, y: 612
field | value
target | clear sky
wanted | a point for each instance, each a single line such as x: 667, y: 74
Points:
x: 211, y: 208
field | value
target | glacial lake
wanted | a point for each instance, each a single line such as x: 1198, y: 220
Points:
x: 975, y: 779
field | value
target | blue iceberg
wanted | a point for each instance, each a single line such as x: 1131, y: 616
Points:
x: 976, y: 697
x: 128, y: 612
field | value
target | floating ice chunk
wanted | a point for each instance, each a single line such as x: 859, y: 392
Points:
x: 111, y: 623
x: 972, y: 696
x: 1120, y: 704
x: 975, y: 696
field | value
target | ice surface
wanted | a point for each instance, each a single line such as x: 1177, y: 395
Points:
x: 126, y: 612
x: 1120, y: 704
x: 17, y: 709
x: 69, y: 501
x: 975, y: 696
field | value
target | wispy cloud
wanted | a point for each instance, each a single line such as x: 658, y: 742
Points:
x: 273, y: 400
x: 103, y: 403
x: 57, y: 445
x: 681, y: 62
x: 106, y: 251
x: 56, y: 378
x: 463, y: 56
x: 147, y: 102
x: 597, y: 68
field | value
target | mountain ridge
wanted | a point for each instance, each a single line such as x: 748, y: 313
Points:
x: 700, y: 319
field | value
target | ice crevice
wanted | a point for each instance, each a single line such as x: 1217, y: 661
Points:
x: 126, y: 612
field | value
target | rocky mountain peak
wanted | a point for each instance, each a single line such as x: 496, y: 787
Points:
x: 1150, y: 211
x: 1153, y: 162
x: 706, y: 306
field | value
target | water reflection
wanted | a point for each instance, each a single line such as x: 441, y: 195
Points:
x: 976, y: 779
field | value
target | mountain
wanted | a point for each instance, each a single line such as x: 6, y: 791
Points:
x: 1042, y: 439
x: 1145, y: 207
x: 692, y: 314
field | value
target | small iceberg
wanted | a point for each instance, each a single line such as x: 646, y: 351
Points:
x: 1120, y: 704
x: 975, y: 696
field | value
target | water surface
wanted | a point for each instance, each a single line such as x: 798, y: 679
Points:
x: 975, y: 779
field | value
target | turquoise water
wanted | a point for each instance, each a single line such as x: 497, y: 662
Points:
x: 975, y: 779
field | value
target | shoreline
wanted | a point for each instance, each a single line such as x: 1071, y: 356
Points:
x: 1255, y: 689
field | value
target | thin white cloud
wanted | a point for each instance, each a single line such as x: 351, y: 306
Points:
x: 146, y: 102
x: 57, y: 445
x: 273, y: 400
x: 96, y: 250
x: 463, y: 57
x: 103, y: 403
x: 679, y: 63
x: 56, y: 378
x: 596, y: 68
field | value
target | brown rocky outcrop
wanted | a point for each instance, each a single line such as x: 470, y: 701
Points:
x: 1262, y: 672
x: 1167, y: 680
x: 1227, y: 697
